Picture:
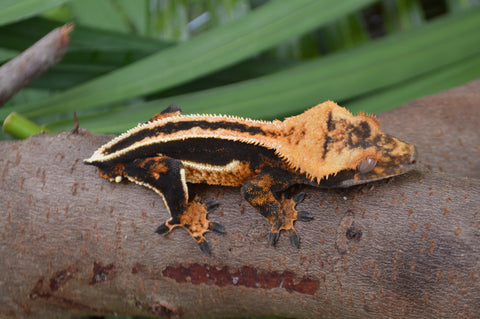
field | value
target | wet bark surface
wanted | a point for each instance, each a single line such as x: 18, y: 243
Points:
x: 73, y: 244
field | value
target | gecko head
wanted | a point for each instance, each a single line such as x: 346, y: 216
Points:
x: 364, y: 153
x: 390, y: 157
x: 334, y: 148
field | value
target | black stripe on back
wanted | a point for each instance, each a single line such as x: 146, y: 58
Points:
x: 205, y: 151
x: 174, y: 127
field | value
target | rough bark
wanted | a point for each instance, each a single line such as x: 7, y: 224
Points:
x: 40, y: 57
x: 73, y: 244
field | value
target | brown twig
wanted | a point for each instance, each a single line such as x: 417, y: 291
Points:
x: 76, y: 125
x: 23, y: 69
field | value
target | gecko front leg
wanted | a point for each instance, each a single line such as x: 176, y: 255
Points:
x: 263, y: 192
x: 166, y: 176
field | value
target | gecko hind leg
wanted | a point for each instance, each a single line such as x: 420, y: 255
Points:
x: 166, y: 176
x: 261, y: 192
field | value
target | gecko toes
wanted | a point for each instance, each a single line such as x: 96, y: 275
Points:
x: 162, y: 229
x: 304, y: 216
x: 211, y: 205
x: 273, y: 237
x: 204, y: 247
x: 299, y: 197
x: 216, y: 228
x: 294, y: 239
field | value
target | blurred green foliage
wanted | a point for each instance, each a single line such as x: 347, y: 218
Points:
x: 264, y: 59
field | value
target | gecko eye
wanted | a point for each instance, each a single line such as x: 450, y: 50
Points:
x: 366, y: 165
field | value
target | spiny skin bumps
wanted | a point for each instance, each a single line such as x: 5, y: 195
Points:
x: 325, y: 146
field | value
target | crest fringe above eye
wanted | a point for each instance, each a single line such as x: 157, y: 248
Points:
x: 371, y: 116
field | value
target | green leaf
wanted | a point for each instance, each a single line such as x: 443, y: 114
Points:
x: 6, y: 54
x: 169, y: 20
x: 91, y: 52
x: 20, y: 36
x: 14, y: 10
x: 402, y: 14
x: 378, y: 65
x: 426, y: 84
x: 272, y: 23
x: 20, y: 127
x: 137, y: 13
x: 102, y: 15
x: 346, y: 33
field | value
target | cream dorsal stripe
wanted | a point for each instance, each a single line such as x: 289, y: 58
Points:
x: 184, y: 127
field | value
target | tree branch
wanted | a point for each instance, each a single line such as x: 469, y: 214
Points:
x: 26, y: 67
x: 73, y: 244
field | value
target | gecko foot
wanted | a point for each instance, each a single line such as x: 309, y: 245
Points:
x: 292, y: 237
x: 273, y: 237
x: 304, y: 216
x: 162, y: 229
x: 299, y: 197
x: 204, y: 247
x: 284, y: 219
x: 212, y: 205
x: 195, y: 221
x: 216, y: 228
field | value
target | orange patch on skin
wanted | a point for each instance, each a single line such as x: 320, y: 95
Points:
x: 195, y: 220
x: 159, y: 168
x: 288, y: 217
x: 117, y: 170
x: 264, y: 196
x: 233, y: 174
x: 323, y: 150
x: 103, y: 175
x: 156, y: 168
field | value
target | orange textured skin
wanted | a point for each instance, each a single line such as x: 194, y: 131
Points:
x: 304, y: 148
